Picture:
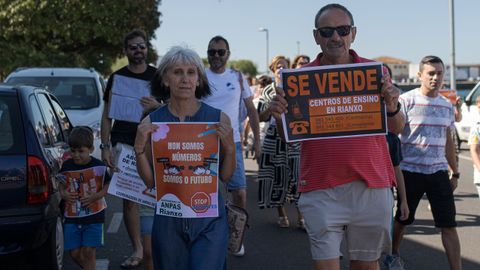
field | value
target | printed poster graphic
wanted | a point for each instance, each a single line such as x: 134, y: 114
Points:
x: 185, y: 157
x: 333, y: 101
x: 84, y: 182
x: 126, y: 183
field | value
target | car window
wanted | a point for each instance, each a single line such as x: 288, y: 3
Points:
x: 11, y: 128
x: 74, y: 93
x: 53, y: 127
x: 64, y: 123
x: 39, y: 123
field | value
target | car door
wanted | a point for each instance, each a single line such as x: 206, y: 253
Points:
x: 65, y: 125
x: 57, y: 127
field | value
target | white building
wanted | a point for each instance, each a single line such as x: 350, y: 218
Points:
x: 399, y: 67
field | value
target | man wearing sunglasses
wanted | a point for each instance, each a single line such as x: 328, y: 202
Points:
x: 123, y: 132
x: 345, y: 183
x: 229, y: 88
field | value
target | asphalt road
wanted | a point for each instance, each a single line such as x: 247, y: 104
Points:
x: 271, y: 247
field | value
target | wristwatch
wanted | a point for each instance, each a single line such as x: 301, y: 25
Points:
x: 391, y: 114
x: 104, y: 146
x: 456, y: 175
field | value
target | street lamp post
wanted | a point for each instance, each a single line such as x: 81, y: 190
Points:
x: 452, y: 40
x: 298, y: 47
x: 262, y: 29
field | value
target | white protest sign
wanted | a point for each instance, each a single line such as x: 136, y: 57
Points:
x: 127, y: 184
x: 125, y: 99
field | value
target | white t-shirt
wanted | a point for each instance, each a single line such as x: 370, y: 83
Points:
x: 425, y: 134
x: 226, y: 94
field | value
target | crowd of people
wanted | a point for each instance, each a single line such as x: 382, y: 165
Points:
x: 351, y: 201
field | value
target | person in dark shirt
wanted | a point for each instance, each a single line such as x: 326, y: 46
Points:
x: 122, y: 133
x: 83, y: 185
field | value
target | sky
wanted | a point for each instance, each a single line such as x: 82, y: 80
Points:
x: 404, y: 29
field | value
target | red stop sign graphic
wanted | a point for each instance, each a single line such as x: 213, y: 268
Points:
x: 200, y: 202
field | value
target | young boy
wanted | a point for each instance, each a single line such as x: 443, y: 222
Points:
x: 83, y: 186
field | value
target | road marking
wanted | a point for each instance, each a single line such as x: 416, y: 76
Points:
x: 102, y: 264
x: 115, y: 223
x: 465, y: 157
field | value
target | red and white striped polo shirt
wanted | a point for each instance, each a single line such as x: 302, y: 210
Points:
x: 327, y: 163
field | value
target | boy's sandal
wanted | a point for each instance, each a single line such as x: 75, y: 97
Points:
x: 283, y: 222
x: 131, y: 262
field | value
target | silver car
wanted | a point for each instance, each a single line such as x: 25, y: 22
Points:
x: 79, y: 90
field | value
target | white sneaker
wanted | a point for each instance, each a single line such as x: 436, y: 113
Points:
x: 240, y: 253
x: 393, y: 262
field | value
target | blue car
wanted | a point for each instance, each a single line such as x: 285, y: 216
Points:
x: 33, y: 144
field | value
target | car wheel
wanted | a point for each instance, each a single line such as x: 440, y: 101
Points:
x: 59, y: 242
x: 50, y: 254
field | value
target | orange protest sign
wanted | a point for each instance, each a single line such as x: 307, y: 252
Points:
x: 84, y: 182
x: 185, y: 157
x: 333, y: 101
x: 450, y: 94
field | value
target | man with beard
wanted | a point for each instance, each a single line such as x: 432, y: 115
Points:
x: 229, y: 88
x: 428, y: 152
x: 123, y: 132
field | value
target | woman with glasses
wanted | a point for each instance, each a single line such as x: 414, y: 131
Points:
x: 300, y: 61
x: 279, y: 163
x: 186, y: 243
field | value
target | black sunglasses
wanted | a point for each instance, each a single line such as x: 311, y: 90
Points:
x: 220, y: 52
x: 327, y: 32
x: 135, y: 46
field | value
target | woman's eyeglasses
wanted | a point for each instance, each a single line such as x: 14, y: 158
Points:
x: 327, y: 32
x: 220, y: 52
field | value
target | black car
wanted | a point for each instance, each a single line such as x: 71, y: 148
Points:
x: 33, y: 144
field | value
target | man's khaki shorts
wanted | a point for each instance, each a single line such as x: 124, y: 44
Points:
x: 361, y: 215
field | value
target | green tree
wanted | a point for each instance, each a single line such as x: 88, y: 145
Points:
x: 71, y: 33
x: 119, y: 63
x: 245, y: 66
x: 205, y: 62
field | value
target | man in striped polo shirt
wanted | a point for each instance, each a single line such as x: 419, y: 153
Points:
x: 428, y: 151
x: 345, y: 183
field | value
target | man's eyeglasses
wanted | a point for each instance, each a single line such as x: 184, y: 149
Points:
x: 327, y: 32
x: 135, y: 46
x: 220, y: 52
